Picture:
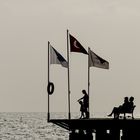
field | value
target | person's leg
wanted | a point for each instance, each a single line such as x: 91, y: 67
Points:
x: 116, y: 115
x: 86, y: 113
x: 114, y: 111
x: 81, y: 115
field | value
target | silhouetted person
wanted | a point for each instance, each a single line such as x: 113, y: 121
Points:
x: 122, y: 108
x: 85, y: 99
x: 82, y: 109
x: 131, y: 103
x: 125, y: 105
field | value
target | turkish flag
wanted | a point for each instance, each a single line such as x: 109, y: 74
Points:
x: 75, y: 46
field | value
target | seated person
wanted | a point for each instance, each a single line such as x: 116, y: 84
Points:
x: 127, y: 107
x: 131, y: 103
x: 121, y: 108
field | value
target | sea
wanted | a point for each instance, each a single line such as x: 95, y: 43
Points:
x: 33, y: 126
x: 29, y: 126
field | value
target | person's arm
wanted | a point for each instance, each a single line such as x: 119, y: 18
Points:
x: 80, y: 99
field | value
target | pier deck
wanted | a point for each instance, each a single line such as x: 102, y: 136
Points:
x: 96, y: 123
x: 104, y: 128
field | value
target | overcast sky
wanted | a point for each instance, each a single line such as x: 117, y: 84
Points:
x: 110, y: 28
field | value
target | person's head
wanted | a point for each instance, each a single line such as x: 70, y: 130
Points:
x: 84, y: 92
x: 125, y: 99
x: 131, y: 99
x: 80, y: 102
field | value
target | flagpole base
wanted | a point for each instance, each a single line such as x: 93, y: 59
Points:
x: 69, y: 116
x: 48, y: 117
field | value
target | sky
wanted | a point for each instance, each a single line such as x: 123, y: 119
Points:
x: 110, y: 28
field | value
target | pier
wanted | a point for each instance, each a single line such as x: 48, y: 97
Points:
x: 103, y: 128
x: 91, y: 128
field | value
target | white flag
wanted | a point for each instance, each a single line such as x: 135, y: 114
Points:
x: 96, y: 61
x: 57, y: 58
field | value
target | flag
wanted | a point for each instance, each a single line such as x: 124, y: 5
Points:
x: 75, y: 46
x: 57, y: 58
x: 96, y: 61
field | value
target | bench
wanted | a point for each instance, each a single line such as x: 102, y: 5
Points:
x: 130, y: 111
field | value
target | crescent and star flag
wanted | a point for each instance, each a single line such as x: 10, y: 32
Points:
x: 75, y: 46
x: 57, y: 58
x: 96, y: 61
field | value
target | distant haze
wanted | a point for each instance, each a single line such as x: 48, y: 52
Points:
x: 110, y: 28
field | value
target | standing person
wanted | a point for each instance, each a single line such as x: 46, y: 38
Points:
x: 82, y: 109
x: 85, y: 99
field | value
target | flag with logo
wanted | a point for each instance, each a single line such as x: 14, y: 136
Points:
x: 75, y: 46
x: 96, y: 61
x: 57, y: 58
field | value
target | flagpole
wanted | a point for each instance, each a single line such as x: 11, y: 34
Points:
x: 69, y: 114
x: 88, y: 82
x: 48, y: 81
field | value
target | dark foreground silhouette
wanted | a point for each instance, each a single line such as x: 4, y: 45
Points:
x: 84, y: 102
x: 103, y: 128
x: 127, y: 107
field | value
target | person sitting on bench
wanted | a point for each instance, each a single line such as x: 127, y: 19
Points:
x: 130, y: 108
x: 131, y: 102
x: 122, y: 108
